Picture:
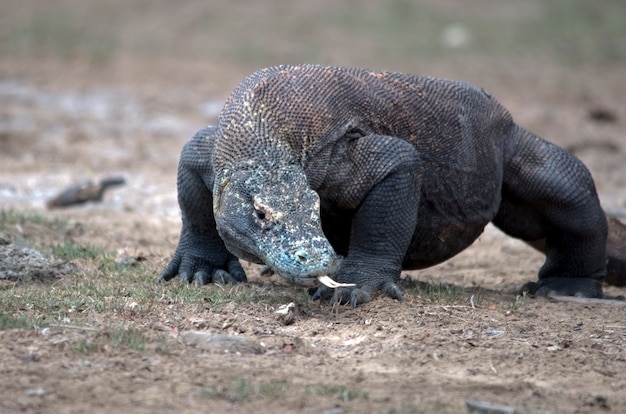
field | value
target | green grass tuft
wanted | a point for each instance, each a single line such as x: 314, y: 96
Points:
x: 20, y: 322
x: 127, y: 337
x: 86, y: 346
x: 11, y: 217
x: 342, y: 392
x: 69, y: 250
x: 436, y: 292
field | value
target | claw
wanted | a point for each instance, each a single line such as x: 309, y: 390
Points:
x: 320, y: 293
x: 184, y: 276
x: 220, y: 277
x: 355, y: 296
x: 358, y: 296
x: 393, y: 291
x: 340, y: 296
x: 202, y: 277
x: 236, y: 274
x: 223, y: 277
x: 170, y: 271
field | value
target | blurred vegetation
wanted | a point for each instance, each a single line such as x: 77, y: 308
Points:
x: 573, y: 32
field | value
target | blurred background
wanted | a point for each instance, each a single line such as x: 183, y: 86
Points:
x: 400, y: 33
x: 94, y: 87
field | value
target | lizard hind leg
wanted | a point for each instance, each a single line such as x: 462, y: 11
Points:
x: 549, y: 200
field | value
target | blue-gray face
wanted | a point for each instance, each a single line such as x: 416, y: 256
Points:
x: 273, y: 217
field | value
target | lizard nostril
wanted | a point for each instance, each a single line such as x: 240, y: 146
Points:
x: 302, y: 257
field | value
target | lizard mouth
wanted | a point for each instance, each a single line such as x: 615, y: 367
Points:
x: 317, y: 281
x: 307, y: 280
x: 301, y: 262
x: 311, y: 277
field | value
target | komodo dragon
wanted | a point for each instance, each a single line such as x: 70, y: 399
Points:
x: 359, y: 174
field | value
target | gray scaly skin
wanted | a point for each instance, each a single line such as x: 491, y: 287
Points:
x: 387, y: 171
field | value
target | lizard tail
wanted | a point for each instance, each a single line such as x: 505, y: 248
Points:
x: 616, y: 252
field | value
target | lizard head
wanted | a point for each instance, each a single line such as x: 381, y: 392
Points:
x: 271, y: 216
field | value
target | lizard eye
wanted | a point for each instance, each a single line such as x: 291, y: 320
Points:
x: 355, y: 133
x: 261, y: 211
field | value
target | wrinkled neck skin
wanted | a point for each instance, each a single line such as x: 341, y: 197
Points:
x: 264, y: 207
x: 266, y: 212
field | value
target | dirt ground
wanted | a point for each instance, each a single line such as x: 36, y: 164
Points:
x: 64, y: 119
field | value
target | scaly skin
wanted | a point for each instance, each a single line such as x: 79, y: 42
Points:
x: 392, y: 171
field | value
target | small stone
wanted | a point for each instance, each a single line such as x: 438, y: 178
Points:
x: 286, y: 314
x: 35, y: 391
x: 493, y: 332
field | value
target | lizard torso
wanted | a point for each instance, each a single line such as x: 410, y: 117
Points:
x: 313, y: 116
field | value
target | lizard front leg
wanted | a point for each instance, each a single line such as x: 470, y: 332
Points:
x: 201, y: 254
x: 382, y: 185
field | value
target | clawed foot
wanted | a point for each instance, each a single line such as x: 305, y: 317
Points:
x: 202, y: 272
x: 584, y: 287
x: 356, y: 295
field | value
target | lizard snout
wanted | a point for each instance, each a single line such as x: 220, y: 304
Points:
x: 304, y: 263
x: 320, y: 261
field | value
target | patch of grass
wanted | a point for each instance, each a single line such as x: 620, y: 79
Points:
x: 163, y: 347
x: 42, y: 302
x: 127, y: 337
x: 101, y: 287
x: 242, y: 390
x: 121, y: 292
x: 216, y: 296
x: 520, y: 301
x: 11, y: 217
x: 19, y: 322
x: 176, y: 293
x: 274, y: 390
x: 342, y: 392
x: 477, y: 296
x: 435, y: 292
x: 69, y: 250
x: 86, y: 346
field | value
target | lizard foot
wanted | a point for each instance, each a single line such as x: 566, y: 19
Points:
x: 356, y: 295
x: 585, y: 287
x: 193, y: 269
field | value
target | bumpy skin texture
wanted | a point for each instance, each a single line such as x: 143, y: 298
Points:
x: 201, y: 254
x: 360, y: 174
